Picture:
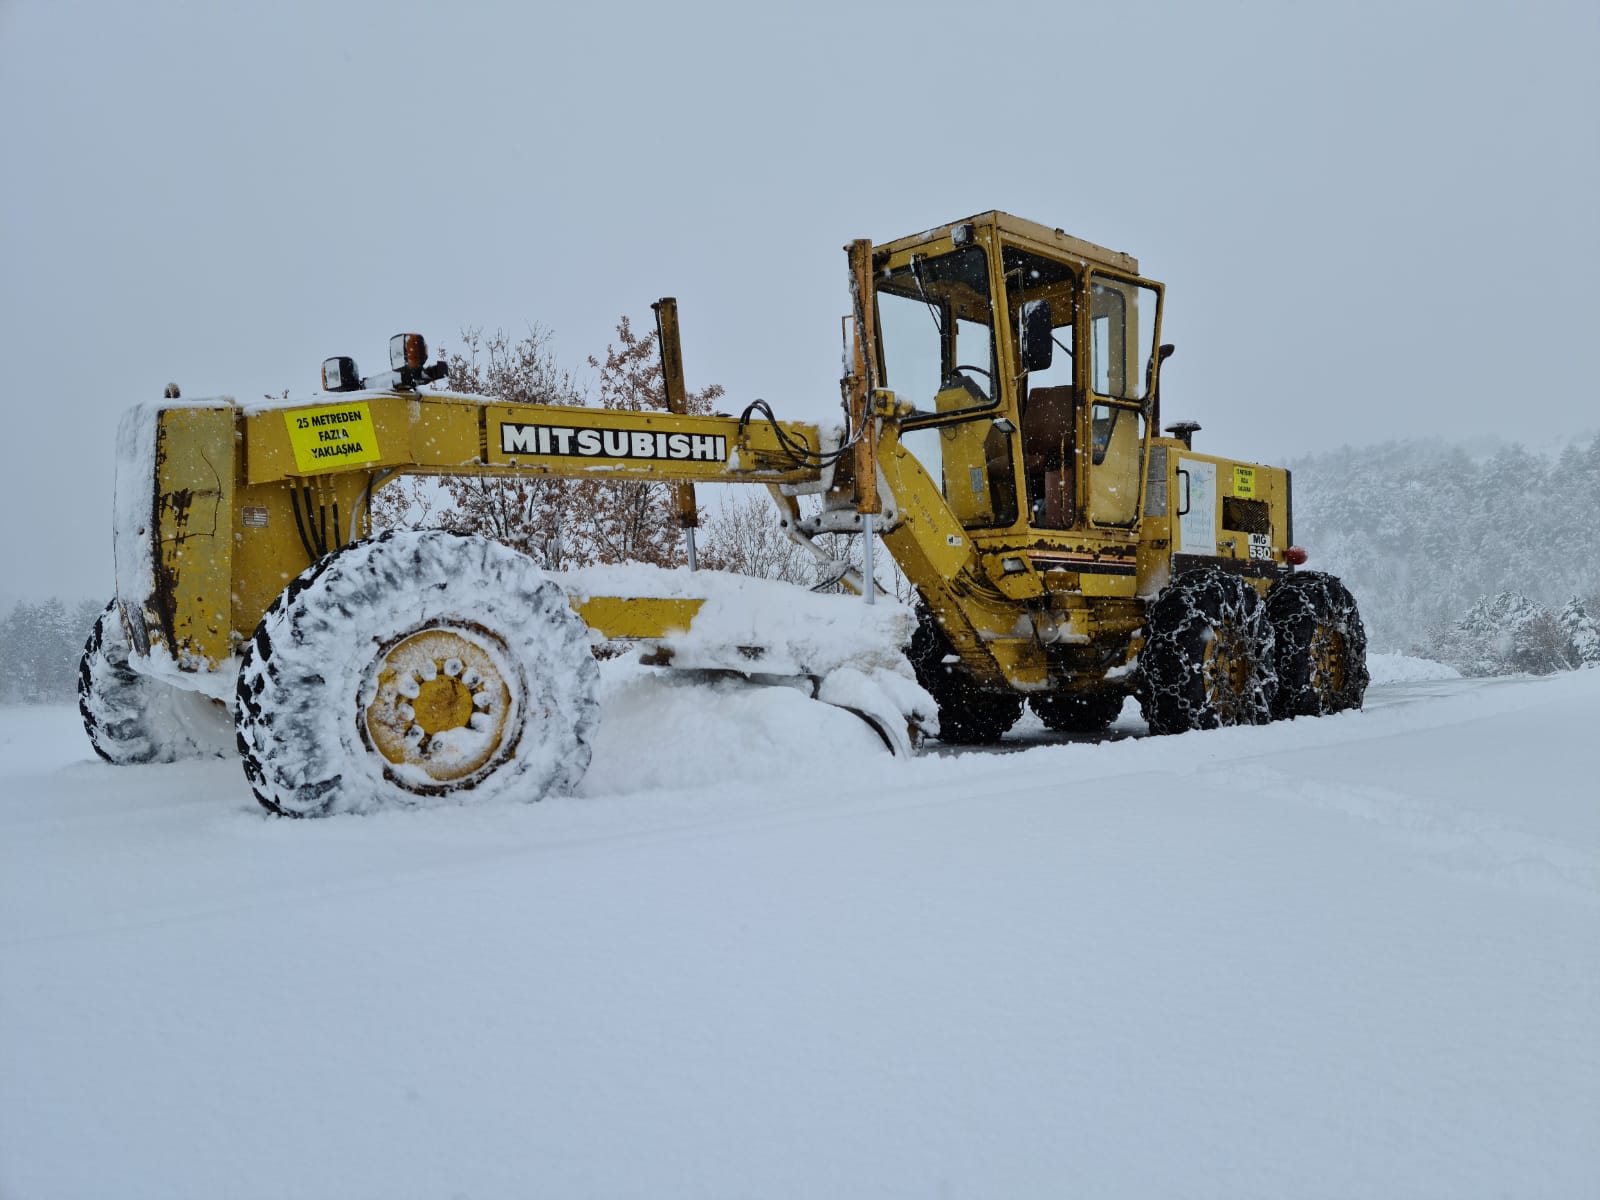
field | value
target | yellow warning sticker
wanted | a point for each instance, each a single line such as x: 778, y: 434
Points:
x: 1244, y: 482
x: 332, y: 438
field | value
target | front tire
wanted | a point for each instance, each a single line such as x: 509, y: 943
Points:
x: 968, y: 716
x: 132, y: 718
x: 1207, y: 660
x: 1077, y: 712
x: 415, y: 668
x: 1321, y: 646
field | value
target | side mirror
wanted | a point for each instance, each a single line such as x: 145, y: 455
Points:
x: 1152, y: 383
x: 1038, y: 348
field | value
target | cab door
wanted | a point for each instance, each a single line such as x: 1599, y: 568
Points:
x: 1122, y: 320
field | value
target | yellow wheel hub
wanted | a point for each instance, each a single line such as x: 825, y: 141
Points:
x: 1329, y: 656
x: 442, y: 707
x: 1225, y: 667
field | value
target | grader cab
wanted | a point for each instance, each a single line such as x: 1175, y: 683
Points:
x: 998, y: 434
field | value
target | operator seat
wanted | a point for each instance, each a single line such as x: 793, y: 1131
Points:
x: 1047, y: 455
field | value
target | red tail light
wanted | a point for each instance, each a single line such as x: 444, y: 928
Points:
x: 1295, y: 555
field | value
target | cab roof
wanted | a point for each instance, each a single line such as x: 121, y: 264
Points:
x: 1056, y: 243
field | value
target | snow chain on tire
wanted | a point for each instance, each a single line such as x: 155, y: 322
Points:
x: 132, y: 718
x: 1321, y: 646
x: 968, y: 716
x: 413, y: 668
x: 1208, y: 655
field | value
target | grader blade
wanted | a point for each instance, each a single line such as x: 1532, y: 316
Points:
x: 850, y: 655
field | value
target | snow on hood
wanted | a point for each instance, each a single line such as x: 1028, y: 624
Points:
x: 134, y: 492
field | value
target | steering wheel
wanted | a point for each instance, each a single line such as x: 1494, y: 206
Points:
x: 970, y: 386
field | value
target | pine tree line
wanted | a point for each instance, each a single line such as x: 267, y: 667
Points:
x: 42, y: 644
x: 1429, y: 537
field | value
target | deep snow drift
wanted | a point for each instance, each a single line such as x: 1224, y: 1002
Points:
x: 1358, y: 956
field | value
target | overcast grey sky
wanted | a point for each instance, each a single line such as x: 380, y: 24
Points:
x: 1374, y: 220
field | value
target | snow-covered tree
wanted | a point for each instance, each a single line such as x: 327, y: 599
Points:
x: 1582, y: 632
x: 42, y: 644
x: 1504, y: 635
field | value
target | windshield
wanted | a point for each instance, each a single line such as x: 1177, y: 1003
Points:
x: 936, y: 336
x: 936, y: 332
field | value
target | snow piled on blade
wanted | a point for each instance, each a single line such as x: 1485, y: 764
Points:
x: 797, y: 632
x: 665, y: 728
x: 852, y: 653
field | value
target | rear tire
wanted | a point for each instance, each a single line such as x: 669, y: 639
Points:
x: 133, y: 718
x: 1207, y: 660
x: 1321, y: 646
x: 1077, y: 712
x: 968, y: 716
x: 415, y: 668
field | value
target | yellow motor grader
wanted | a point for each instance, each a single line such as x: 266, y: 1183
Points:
x: 999, y: 435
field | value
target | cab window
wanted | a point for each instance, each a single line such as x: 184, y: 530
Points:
x: 938, y: 351
x: 1122, y: 330
x: 936, y: 332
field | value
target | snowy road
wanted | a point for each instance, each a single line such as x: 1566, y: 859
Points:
x: 1350, y: 957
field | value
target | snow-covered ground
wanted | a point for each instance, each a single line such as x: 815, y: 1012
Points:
x: 1354, y: 957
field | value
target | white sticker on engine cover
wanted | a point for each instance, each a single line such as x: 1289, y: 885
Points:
x: 1197, y: 518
